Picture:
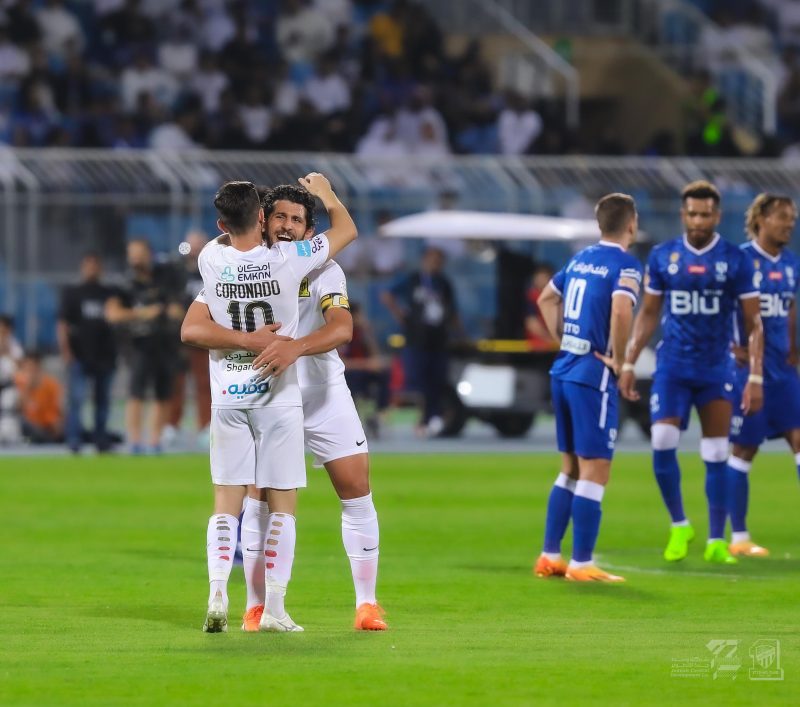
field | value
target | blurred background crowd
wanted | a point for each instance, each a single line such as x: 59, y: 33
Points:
x: 367, y: 76
x: 408, y: 106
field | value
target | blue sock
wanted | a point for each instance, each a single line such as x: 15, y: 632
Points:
x: 715, y: 493
x: 668, y: 476
x: 559, y: 509
x: 586, y: 515
x: 737, y: 484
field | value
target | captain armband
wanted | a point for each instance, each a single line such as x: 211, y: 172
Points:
x: 334, y: 299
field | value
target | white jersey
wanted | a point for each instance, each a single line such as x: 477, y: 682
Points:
x: 246, y: 291
x: 322, y: 289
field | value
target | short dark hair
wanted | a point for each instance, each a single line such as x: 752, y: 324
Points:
x: 701, y: 189
x: 7, y: 320
x: 288, y: 192
x: 614, y: 212
x: 237, y: 204
x: 33, y: 355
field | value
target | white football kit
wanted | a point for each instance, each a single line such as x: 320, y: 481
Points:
x: 256, y: 426
x: 332, y: 427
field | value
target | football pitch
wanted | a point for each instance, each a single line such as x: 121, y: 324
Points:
x: 104, y: 588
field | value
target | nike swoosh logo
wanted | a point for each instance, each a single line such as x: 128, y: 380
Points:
x: 358, y: 444
x: 370, y: 549
x: 254, y: 549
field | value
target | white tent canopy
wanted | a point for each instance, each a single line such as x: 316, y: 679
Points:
x: 488, y: 225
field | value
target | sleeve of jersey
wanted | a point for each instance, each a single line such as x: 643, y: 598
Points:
x: 201, y: 297
x: 629, y: 282
x: 746, y: 283
x: 332, y: 286
x: 557, y: 283
x: 653, y: 278
x: 310, y: 254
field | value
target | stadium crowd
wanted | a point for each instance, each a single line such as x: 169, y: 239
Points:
x: 375, y: 77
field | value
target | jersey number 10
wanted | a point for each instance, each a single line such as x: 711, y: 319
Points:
x: 574, y: 299
x: 235, y: 310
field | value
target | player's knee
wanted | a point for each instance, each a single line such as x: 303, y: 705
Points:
x: 664, y: 437
x: 714, y: 449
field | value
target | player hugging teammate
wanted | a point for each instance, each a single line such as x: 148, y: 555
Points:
x: 715, y: 355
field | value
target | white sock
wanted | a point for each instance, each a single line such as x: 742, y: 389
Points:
x: 281, y: 538
x: 578, y: 565
x: 552, y: 556
x: 740, y: 537
x: 361, y: 536
x: 220, y: 548
x: 254, y: 532
x: 681, y: 523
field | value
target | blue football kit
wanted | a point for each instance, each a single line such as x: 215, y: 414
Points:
x: 584, y: 389
x: 777, y: 278
x: 701, y: 289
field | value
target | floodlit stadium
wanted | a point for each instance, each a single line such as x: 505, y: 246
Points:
x: 457, y: 340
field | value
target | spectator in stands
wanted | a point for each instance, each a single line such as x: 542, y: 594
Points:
x: 35, y: 121
x: 151, y: 310
x: 14, y: 61
x: 535, y: 329
x: 424, y: 304
x: 366, y: 371
x: 328, y: 90
x: 176, y: 134
x: 59, y: 28
x: 143, y: 77
x: 10, y: 356
x: 193, y: 361
x: 302, y: 32
x: 40, y: 401
x: 518, y: 125
x: 421, y: 109
x: 128, y: 30
x: 89, y: 352
x: 178, y: 55
x: 256, y: 117
x: 208, y: 82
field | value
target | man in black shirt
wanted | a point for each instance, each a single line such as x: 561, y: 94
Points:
x: 424, y: 304
x: 86, y: 342
x: 150, y: 310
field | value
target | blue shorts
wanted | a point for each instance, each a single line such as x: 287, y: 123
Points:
x: 779, y: 414
x: 671, y: 396
x: 586, y: 419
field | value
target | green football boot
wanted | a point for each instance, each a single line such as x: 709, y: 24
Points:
x: 678, y: 546
x: 717, y: 551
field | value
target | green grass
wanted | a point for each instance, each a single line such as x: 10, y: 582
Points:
x: 103, y: 590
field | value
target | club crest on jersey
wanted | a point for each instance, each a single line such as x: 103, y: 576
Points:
x: 722, y: 270
x: 697, y: 269
x: 304, y: 291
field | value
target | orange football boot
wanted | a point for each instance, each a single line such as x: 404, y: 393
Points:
x: 252, y: 618
x: 747, y: 549
x: 545, y: 567
x: 369, y: 617
x: 591, y: 574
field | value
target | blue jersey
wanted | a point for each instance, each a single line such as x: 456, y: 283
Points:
x: 701, y: 289
x: 777, y: 277
x: 587, y: 284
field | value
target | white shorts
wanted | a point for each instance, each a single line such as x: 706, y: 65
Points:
x: 332, y: 427
x: 261, y: 446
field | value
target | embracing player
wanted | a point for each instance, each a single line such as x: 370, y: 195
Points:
x: 588, y: 306
x: 257, y: 426
x: 769, y: 223
x: 700, y: 278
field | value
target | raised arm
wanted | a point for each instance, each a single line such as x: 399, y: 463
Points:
x: 200, y: 330
x: 551, y: 306
x: 644, y: 327
x: 753, y: 397
x: 343, y: 229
